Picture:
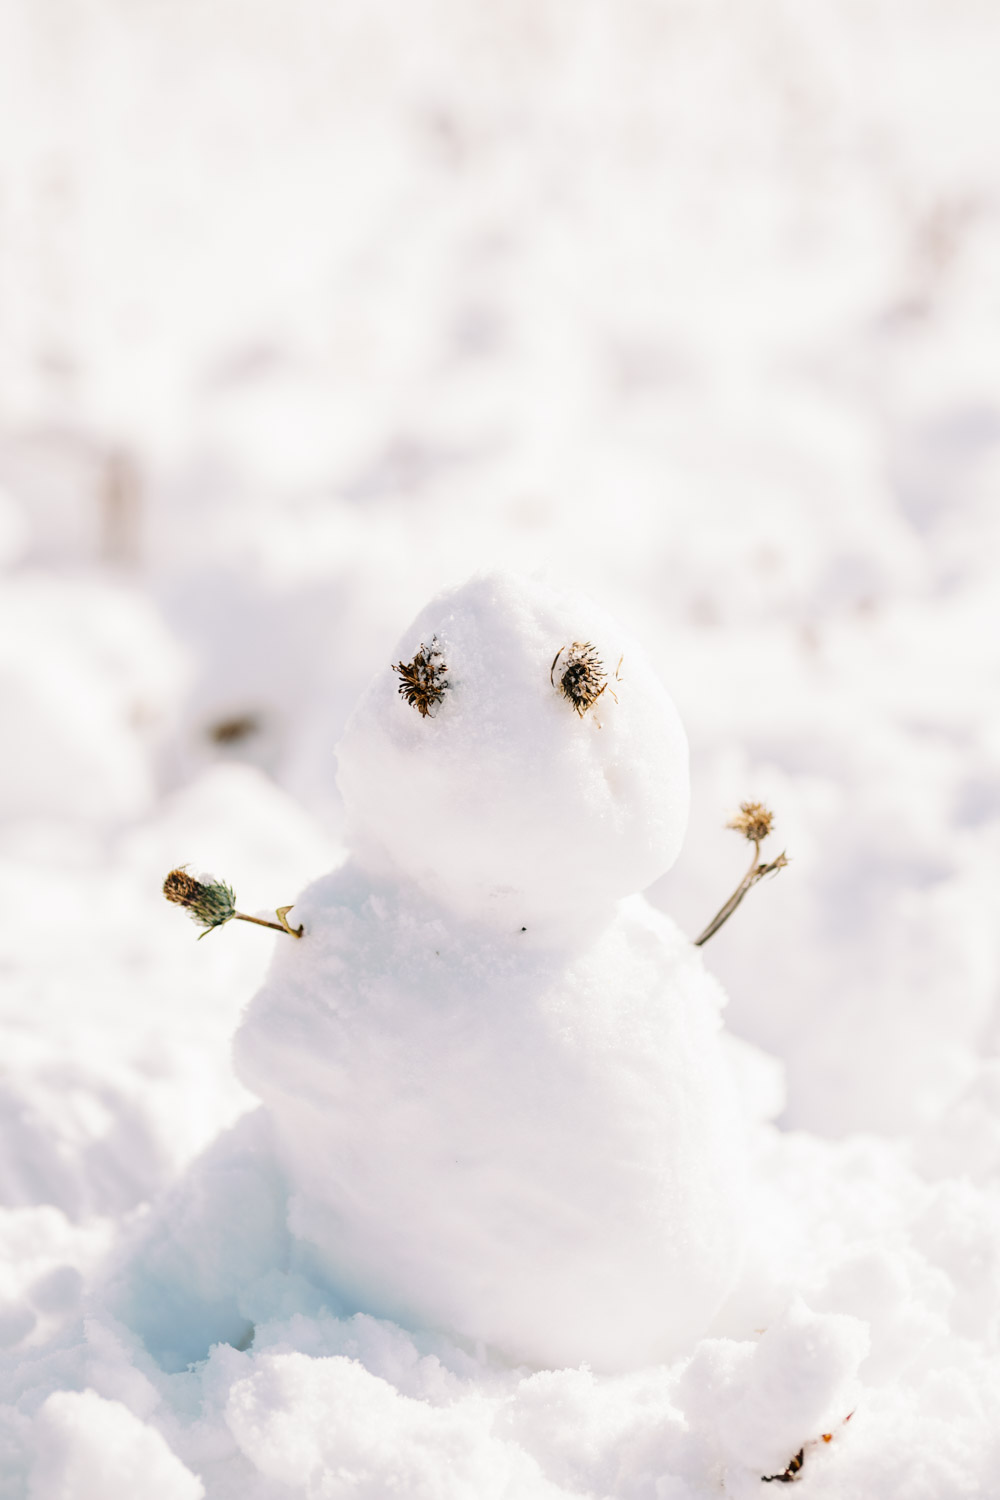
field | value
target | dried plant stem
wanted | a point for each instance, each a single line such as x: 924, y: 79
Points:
x: 240, y: 916
x: 281, y: 926
x: 756, y: 872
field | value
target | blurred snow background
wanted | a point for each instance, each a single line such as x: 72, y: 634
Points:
x: 308, y: 309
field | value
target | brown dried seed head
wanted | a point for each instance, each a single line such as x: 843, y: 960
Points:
x: 181, y: 887
x: 581, y: 675
x: 753, y: 820
x: 208, y: 902
x: 422, y: 680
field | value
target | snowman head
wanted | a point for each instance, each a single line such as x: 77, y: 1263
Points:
x: 522, y: 763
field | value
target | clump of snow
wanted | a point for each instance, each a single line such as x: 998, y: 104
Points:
x: 86, y: 1446
x: 766, y: 1400
x: 298, y: 1417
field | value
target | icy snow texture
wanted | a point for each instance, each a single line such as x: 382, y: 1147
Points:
x: 505, y: 803
x: 499, y: 1096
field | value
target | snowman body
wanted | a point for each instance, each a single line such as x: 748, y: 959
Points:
x: 493, y: 1071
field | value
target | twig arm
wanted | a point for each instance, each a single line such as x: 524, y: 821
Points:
x: 281, y: 926
x: 726, y: 910
x: 259, y: 921
x: 756, y: 872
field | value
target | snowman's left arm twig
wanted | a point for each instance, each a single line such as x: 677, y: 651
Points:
x: 754, y: 821
x: 211, y: 903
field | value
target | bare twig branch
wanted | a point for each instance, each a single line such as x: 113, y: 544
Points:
x: 754, y: 821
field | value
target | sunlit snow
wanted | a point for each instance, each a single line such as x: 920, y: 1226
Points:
x: 309, y: 312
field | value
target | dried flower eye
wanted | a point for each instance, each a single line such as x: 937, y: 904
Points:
x: 580, y: 675
x: 422, y: 680
x: 753, y: 820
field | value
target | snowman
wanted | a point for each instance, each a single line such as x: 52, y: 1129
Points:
x: 493, y: 1073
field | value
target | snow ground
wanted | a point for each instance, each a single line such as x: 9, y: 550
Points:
x: 307, y: 310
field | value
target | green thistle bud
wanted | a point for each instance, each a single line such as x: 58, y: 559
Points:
x: 210, y: 903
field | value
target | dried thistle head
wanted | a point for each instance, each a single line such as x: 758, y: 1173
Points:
x: 579, y: 675
x: 422, y: 680
x: 208, y: 902
x: 753, y: 820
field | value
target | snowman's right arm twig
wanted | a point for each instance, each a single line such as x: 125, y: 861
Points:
x: 754, y: 821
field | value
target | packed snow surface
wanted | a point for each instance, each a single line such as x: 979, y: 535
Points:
x: 309, y: 311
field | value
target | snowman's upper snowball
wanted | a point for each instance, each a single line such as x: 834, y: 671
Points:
x: 504, y: 800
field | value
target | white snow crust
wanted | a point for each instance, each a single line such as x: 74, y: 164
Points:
x: 308, y: 312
